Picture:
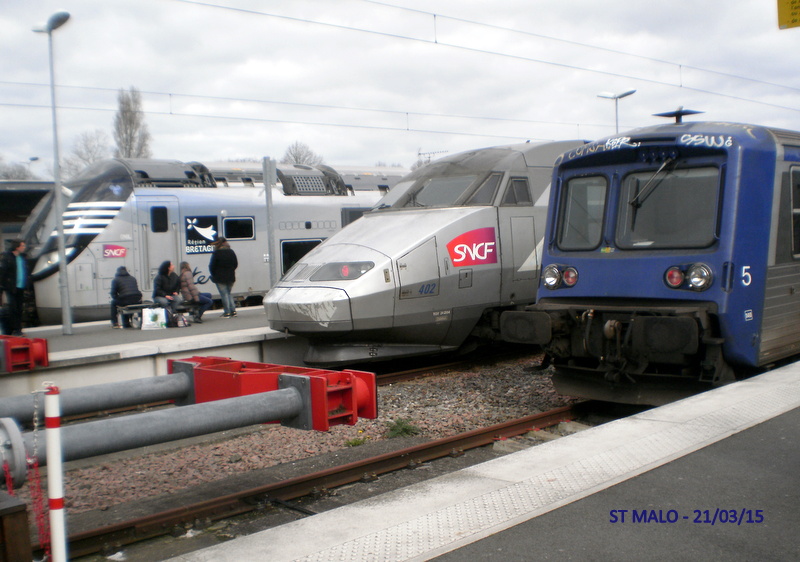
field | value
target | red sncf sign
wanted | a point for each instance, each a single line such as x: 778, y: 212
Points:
x: 475, y: 247
x: 112, y: 251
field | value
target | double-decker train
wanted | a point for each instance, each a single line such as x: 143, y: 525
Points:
x: 139, y: 213
x: 452, y: 245
x: 671, y: 258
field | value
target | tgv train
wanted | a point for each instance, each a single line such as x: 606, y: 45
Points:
x: 449, y: 247
x: 138, y: 213
x: 672, y: 256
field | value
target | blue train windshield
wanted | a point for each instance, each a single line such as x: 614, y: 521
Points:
x: 673, y: 209
x: 668, y: 207
x: 584, y: 207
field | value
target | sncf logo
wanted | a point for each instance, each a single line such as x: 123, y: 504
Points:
x: 475, y: 247
x: 112, y: 251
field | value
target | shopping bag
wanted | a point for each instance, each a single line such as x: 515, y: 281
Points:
x: 154, y: 318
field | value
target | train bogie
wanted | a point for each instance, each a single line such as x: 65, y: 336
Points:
x: 423, y: 272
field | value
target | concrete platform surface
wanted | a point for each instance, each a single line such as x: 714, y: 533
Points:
x: 728, y: 488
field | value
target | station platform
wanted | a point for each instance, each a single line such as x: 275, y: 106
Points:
x: 95, y: 353
x: 88, y: 336
x: 714, y: 476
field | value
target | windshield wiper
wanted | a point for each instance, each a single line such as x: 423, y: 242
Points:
x: 650, y: 186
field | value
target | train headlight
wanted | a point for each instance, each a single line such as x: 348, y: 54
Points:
x: 342, y: 271
x: 553, y: 276
x: 50, y: 260
x: 699, y: 276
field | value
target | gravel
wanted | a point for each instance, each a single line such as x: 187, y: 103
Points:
x: 437, y: 406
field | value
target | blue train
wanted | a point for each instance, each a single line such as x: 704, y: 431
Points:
x: 671, y: 258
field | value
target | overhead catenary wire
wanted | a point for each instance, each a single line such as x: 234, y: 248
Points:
x: 434, y: 40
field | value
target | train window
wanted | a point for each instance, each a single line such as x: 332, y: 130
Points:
x: 352, y: 214
x: 441, y: 192
x: 517, y: 193
x: 484, y: 195
x: 159, y: 219
x: 671, y: 209
x: 238, y: 228
x: 582, y: 216
x: 292, y: 251
x: 795, y: 178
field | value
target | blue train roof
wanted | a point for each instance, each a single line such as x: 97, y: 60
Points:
x: 708, y: 134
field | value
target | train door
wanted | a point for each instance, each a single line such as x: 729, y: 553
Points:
x: 521, y: 224
x: 159, y: 235
x: 419, y: 281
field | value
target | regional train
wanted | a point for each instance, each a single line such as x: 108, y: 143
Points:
x: 140, y: 212
x: 671, y: 258
x: 430, y: 269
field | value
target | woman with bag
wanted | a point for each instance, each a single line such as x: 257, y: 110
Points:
x: 191, y: 293
x: 166, y: 286
x: 223, y: 266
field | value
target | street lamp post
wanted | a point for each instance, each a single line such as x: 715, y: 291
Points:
x: 616, y: 98
x: 57, y: 20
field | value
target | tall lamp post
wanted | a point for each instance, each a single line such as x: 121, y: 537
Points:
x: 616, y: 98
x: 57, y: 20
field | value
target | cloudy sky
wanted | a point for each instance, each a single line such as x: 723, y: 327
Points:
x: 362, y: 82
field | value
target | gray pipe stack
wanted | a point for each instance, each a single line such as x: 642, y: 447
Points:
x: 291, y: 405
x: 99, y: 397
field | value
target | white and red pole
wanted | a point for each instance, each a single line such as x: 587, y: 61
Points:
x: 55, y: 475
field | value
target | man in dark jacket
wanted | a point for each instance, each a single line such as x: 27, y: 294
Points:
x: 13, y: 282
x: 124, y: 291
x: 223, y: 266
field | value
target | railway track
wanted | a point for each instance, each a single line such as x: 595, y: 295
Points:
x: 226, y: 506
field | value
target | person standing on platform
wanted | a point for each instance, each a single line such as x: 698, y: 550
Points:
x: 223, y: 266
x: 191, y: 293
x: 124, y: 291
x: 13, y: 282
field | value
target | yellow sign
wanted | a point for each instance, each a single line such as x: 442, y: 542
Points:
x: 788, y: 13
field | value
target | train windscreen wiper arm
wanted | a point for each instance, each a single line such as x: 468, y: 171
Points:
x: 650, y: 186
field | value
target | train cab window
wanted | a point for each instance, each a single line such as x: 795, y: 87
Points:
x: 484, y: 195
x: 441, y: 192
x: 673, y: 208
x: 518, y: 193
x: 238, y: 228
x: 159, y: 219
x: 795, y: 178
x: 581, y: 223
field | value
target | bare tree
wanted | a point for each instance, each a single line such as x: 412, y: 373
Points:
x: 419, y: 164
x: 15, y: 171
x: 300, y: 153
x: 87, y: 148
x: 130, y: 130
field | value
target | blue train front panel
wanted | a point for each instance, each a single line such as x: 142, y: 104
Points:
x: 659, y: 247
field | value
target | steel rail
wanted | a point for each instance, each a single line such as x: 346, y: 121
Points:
x: 127, y: 532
